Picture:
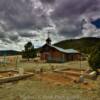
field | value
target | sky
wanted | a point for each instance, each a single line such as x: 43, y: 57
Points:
x: 32, y: 20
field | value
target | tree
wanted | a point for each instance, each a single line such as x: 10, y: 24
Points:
x: 94, y: 59
x: 29, y: 51
x: 28, y: 46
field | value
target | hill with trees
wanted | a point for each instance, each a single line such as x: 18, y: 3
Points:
x: 85, y: 45
x: 9, y: 52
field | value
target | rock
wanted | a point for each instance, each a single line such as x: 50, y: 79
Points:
x: 94, y: 73
x: 88, y: 70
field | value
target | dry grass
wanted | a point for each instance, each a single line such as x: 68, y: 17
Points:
x: 16, y: 61
x: 33, y: 89
x: 48, y: 66
x: 37, y: 89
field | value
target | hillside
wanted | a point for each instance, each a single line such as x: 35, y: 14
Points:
x: 8, y: 52
x: 85, y: 45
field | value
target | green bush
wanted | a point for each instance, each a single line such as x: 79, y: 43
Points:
x: 94, y: 59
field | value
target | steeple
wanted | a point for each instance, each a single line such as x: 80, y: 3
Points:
x: 48, y: 40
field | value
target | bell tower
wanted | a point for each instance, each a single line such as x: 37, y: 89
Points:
x: 48, y: 40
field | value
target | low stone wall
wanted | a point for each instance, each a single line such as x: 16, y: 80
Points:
x: 15, y: 78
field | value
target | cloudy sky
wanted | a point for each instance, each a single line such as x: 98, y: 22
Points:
x: 31, y: 20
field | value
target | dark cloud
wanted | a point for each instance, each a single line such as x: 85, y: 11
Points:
x: 9, y: 37
x: 67, y: 15
x: 47, y: 1
x: 64, y: 16
x: 68, y: 27
x: 21, y: 15
x: 2, y: 35
x: 13, y: 37
x: 72, y: 8
x: 6, y: 40
x: 27, y: 34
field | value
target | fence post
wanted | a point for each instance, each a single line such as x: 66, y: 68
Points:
x: 16, y: 61
x: 4, y: 61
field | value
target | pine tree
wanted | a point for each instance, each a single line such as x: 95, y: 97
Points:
x: 29, y: 51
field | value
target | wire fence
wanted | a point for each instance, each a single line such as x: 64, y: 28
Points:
x: 7, y: 62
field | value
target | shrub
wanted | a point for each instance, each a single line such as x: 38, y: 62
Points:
x: 94, y: 59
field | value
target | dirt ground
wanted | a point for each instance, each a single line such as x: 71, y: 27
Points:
x: 7, y: 74
x: 66, y: 77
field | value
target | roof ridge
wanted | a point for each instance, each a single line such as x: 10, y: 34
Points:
x: 64, y: 50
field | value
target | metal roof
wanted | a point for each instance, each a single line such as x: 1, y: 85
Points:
x: 64, y: 50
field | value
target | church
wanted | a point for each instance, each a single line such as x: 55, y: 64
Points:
x: 52, y: 54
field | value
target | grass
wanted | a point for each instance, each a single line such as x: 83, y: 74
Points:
x: 13, y: 62
x: 35, y: 89
x: 47, y: 66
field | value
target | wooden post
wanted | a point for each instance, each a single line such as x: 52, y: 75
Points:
x: 81, y: 79
x: 80, y: 62
x: 4, y: 61
x: 16, y: 61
